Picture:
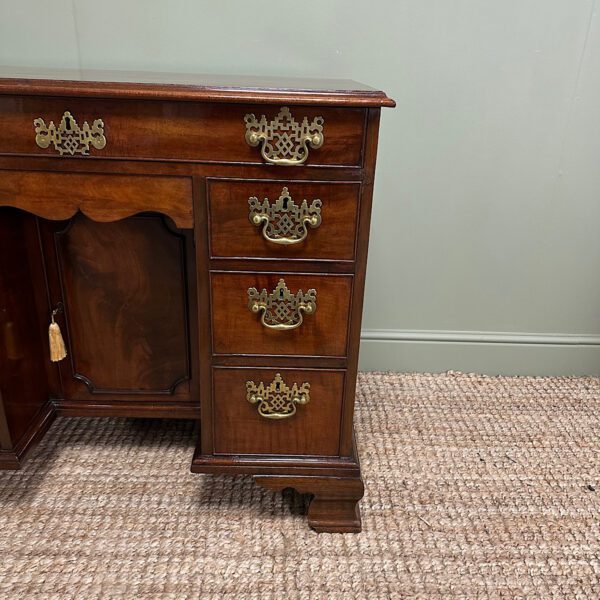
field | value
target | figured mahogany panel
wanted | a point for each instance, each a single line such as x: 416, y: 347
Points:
x: 237, y: 330
x: 124, y: 291
x: 147, y: 129
x: 313, y: 430
x: 233, y: 235
x: 23, y: 347
x: 104, y: 198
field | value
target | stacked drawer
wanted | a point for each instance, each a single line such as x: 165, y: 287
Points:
x: 295, y: 313
x: 280, y: 314
x: 164, y: 131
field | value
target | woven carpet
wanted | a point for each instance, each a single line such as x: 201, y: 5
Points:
x: 476, y: 487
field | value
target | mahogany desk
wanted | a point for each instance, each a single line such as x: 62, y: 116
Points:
x: 201, y: 243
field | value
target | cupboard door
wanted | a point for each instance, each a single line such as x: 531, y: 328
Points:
x: 25, y: 389
x: 126, y: 309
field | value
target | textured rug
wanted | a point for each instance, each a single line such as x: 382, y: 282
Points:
x: 476, y: 487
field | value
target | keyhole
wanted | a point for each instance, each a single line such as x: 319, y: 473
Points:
x: 281, y: 294
x: 285, y: 203
x: 277, y: 386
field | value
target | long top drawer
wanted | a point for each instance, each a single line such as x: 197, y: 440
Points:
x: 190, y: 131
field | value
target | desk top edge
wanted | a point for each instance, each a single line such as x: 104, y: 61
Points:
x: 146, y: 85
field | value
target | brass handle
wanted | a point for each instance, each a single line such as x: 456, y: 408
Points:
x: 281, y: 309
x: 68, y: 137
x: 277, y: 400
x: 284, y: 141
x: 284, y: 222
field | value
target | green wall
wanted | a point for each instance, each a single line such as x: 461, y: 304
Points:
x: 485, y: 251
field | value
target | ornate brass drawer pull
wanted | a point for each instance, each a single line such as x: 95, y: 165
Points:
x: 284, y: 222
x: 277, y: 400
x: 281, y: 309
x: 68, y: 137
x: 283, y: 140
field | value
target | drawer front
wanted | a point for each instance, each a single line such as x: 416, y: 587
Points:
x: 314, y: 325
x: 304, y: 409
x: 172, y: 130
x: 280, y: 219
x: 101, y: 197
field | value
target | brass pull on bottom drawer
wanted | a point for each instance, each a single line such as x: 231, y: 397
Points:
x: 277, y: 400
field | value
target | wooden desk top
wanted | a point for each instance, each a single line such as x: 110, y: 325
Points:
x: 147, y: 85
